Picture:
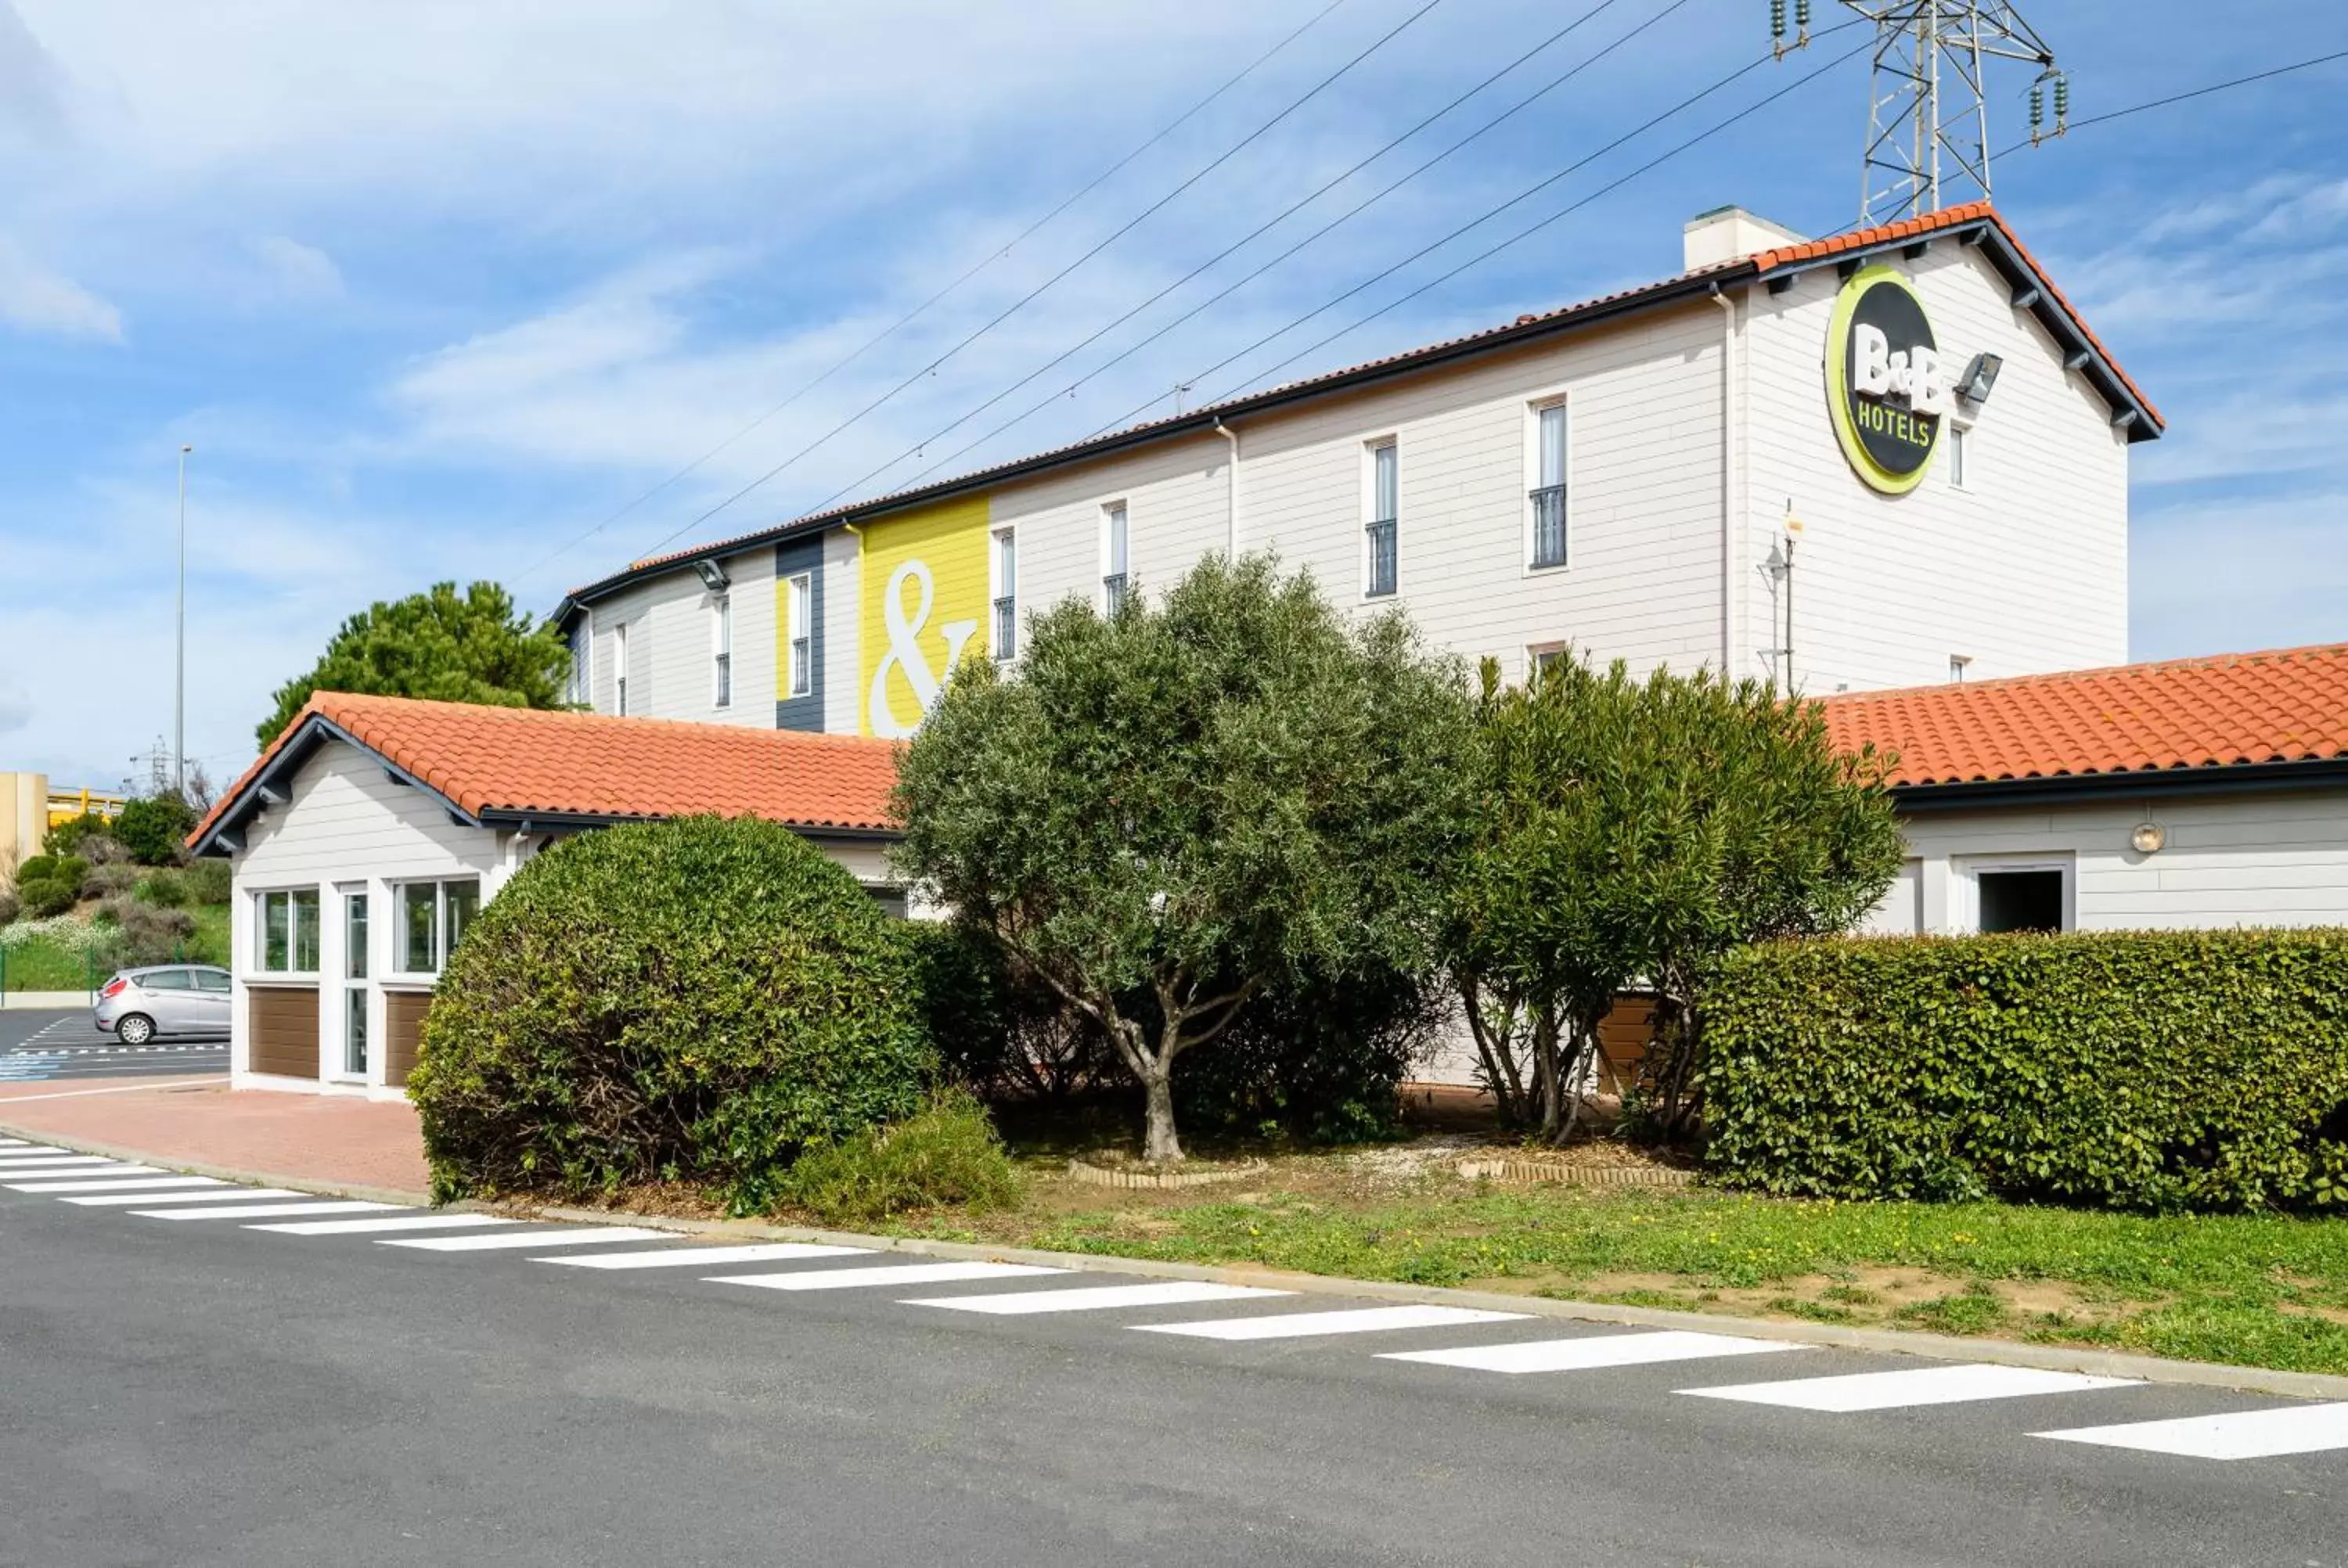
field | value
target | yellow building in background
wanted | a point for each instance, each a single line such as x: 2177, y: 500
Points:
x: 29, y: 808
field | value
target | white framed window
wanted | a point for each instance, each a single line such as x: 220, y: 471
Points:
x: 799, y: 632
x: 721, y: 648
x: 1003, y: 579
x: 581, y: 677
x: 433, y: 917
x: 1546, y: 497
x: 2025, y: 891
x: 620, y: 669
x: 1114, y: 562
x: 286, y: 931
x: 1381, y: 528
x: 1541, y: 658
x: 1960, y: 456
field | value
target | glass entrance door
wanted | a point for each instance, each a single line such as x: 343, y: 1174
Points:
x: 358, y: 1032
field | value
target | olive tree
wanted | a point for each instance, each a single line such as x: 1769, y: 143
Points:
x: 1161, y: 812
x: 1632, y: 833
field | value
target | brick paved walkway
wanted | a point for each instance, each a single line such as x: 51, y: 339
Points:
x: 305, y: 1137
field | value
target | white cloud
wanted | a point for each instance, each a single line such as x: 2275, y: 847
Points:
x: 298, y: 273
x: 32, y: 102
x: 35, y: 298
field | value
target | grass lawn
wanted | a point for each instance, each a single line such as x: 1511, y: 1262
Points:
x: 2256, y: 1290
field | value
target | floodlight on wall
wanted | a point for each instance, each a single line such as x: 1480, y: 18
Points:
x: 1981, y: 375
x: 713, y: 575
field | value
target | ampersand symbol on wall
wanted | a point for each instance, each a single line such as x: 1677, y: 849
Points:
x: 904, y: 653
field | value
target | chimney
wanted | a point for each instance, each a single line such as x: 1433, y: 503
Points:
x: 1725, y: 233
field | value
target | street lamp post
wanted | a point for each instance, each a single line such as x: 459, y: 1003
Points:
x: 179, y: 658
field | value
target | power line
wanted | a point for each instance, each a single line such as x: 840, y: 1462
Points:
x: 1485, y: 217
x: 2194, y: 93
x: 1340, y: 220
x: 1006, y: 314
x: 989, y: 260
x: 1283, y: 215
x: 1531, y: 230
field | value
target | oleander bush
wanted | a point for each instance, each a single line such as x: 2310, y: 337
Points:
x: 696, y: 1001
x: 44, y: 895
x: 2171, y: 1071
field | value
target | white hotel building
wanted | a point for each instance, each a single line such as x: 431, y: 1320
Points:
x: 1614, y: 475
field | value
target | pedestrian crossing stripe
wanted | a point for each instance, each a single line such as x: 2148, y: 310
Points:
x: 1351, y: 1320
x: 396, y: 1222
x: 1953, y: 1385
x: 1097, y: 1298
x: 1589, y: 1352
x: 887, y: 1274
x: 701, y: 1256
x: 263, y: 1211
x: 510, y: 1241
x: 2241, y: 1434
x: 158, y: 1183
x: 217, y: 1194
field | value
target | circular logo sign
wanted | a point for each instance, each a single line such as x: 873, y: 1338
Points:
x: 1885, y: 385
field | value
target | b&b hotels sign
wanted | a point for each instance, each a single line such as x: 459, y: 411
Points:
x: 1887, y: 388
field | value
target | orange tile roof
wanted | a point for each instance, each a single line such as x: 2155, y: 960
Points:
x: 2288, y: 705
x: 515, y: 760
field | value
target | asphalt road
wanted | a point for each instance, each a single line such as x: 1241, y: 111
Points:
x: 203, y: 1393
x: 41, y: 1044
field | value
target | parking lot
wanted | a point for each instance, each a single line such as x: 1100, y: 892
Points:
x: 38, y: 1044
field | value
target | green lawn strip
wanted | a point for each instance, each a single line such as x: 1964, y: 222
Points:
x: 2247, y: 1289
x: 209, y: 944
x: 41, y: 965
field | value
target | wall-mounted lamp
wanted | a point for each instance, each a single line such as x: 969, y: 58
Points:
x: 1981, y: 375
x: 2148, y: 839
x: 713, y: 575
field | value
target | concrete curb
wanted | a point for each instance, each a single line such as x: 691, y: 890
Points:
x: 28, y: 1001
x: 1882, y: 1341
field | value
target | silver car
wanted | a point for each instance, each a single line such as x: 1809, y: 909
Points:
x: 137, y: 1005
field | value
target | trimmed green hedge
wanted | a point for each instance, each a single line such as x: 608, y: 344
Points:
x: 694, y: 1001
x: 2143, y: 1069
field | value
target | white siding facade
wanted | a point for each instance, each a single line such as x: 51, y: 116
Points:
x: 2276, y: 857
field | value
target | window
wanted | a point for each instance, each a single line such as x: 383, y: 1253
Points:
x: 1113, y: 560
x: 213, y: 980
x: 1958, y: 437
x: 620, y: 669
x: 721, y: 647
x: 1543, y: 656
x: 1958, y: 664
x: 578, y: 691
x: 356, y: 1031
x: 1378, y: 564
x: 433, y: 917
x: 1006, y: 596
x: 2020, y: 899
x: 165, y: 980
x: 798, y: 630
x: 1548, y: 494
x: 288, y: 934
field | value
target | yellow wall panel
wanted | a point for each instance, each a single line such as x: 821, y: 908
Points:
x: 924, y: 602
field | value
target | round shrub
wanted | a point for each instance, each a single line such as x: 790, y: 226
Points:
x: 696, y: 1001
x: 86, y: 835
x: 45, y: 896
x: 947, y: 1154
x: 152, y: 826
x: 206, y: 881
x: 164, y: 889
x: 110, y: 880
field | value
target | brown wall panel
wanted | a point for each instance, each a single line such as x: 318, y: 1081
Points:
x: 403, y: 1025
x: 281, y: 1025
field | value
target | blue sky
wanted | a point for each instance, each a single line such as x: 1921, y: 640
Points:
x: 435, y: 289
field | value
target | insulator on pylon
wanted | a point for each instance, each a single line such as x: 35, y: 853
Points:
x: 2061, y: 101
x: 1802, y: 14
x: 1778, y: 20
x: 2037, y: 111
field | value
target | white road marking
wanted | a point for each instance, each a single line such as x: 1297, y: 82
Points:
x: 1097, y: 1298
x: 888, y: 1274
x: 53, y: 1162
x: 16, y: 1143
x: 1918, y: 1386
x: 264, y: 1211
x: 2242, y: 1434
x: 512, y: 1239
x: 1589, y: 1352
x: 396, y: 1222
x: 216, y: 1196
x: 1353, y: 1320
x: 36, y: 1179
x: 155, y: 1183
x: 697, y: 1256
